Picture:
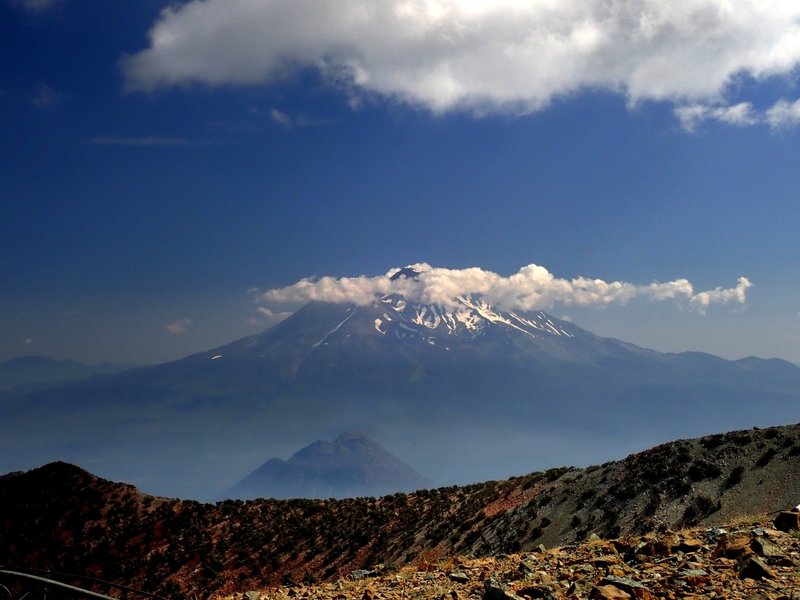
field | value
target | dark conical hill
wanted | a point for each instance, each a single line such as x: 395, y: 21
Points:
x: 352, y: 465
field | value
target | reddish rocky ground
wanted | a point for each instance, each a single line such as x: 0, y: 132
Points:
x: 747, y: 559
x: 61, y: 519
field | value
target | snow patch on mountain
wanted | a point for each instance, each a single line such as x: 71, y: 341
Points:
x: 393, y: 316
x: 351, y: 311
x: 471, y: 318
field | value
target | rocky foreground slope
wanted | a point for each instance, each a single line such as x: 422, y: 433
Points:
x: 61, y: 518
x: 747, y: 559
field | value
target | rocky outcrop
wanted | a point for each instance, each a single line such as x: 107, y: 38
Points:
x: 743, y: 560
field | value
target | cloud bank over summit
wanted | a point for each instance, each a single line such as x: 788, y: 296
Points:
x: 480, y: 55
x: 533, y: 287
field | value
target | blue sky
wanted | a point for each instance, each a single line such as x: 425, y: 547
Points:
x: 162, y: 169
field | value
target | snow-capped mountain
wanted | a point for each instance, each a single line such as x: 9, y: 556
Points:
x: 464, y: 317
x: 440, y: 325
x: 472, y: 318
x: 463, y: 390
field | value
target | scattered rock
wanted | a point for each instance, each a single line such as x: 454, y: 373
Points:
x: 458, y: 576
x: 752, y: 567
x: 656, y: 547
x: 494, y: 590
x: 733, y: 547
x: 527, y: 566
x: 542, y: 577
x: 690, y: 544
x: 608, y: 592
x: 765, y: 548
x: 629, y: 586
x: 731, y: 568
x: 604, y: 561
x: 695, y: 577
x: 538, y: 591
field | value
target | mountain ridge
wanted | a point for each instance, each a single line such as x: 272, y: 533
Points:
x: 61, y: 518
x: 33, y: 372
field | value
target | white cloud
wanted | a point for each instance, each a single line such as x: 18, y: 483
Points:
x: 736, y: 295
x: 29, y: 342
x: 532, y: 287
x: 178, y: 327
x: 477, y: 55
x: 783, y: 114
x: 738, y: 114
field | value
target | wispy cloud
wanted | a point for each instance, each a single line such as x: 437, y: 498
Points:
x: 143, y: 141
x: 273, y: 316
x: 36, y: 6
x: 46, y: 97
x: 178, y: 327
x: 532, y: 287
x: 512, y: 56
x: 288, y: 121
x: 281, y: 118
x: 781, y: 115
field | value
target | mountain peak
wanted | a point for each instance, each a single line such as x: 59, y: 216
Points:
x: 351, y: 465
x: 351, y: 436
x: 408, y: 272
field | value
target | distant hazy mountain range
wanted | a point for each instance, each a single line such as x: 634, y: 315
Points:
x: 351, y: 466
x: 462, y: 393
x: 39, y: 371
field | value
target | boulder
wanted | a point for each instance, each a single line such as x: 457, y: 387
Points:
x: 629, y: 586
x: 734, y: 547
x: 362, y: 573
x: 752, y: 567
x: 494, y: 590
x: 765, y: 548
x: 458, y: 577
x: 608, y: 592
x: 787, y: 520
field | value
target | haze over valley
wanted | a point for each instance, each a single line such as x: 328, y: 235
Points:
x: 460, y: 389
